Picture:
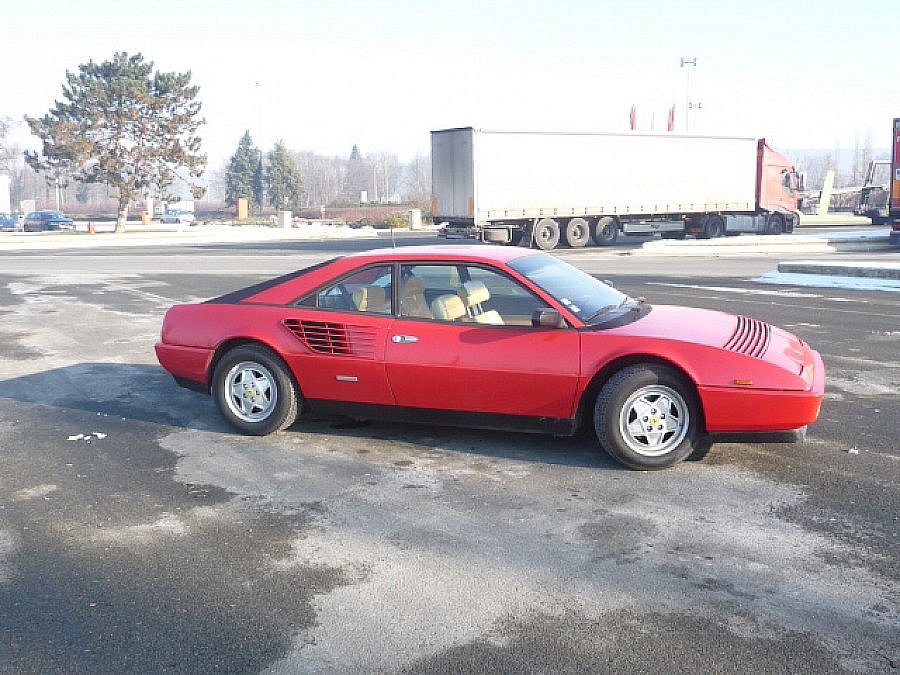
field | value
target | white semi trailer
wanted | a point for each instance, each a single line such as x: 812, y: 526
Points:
x: 549, y: 188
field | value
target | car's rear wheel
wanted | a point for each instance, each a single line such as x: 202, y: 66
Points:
x: 647, y: 417
x: 254, y: 390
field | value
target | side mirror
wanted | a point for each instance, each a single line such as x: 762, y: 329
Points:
x: 545, y: 317
x: 801, y: 181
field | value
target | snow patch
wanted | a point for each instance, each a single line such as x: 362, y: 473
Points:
x: 829, y: 281
x: 166, y: 525
x: 34, y: 492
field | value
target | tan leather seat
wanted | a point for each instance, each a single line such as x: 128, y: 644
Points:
x: 412, y: 298
x: 370, y: 299
x: 447, y: 307
x: 472, y: 294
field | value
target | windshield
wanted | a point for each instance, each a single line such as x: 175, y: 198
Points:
x: 579, y: 292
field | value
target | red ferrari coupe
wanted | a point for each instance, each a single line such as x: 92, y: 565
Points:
x: 493, y: 337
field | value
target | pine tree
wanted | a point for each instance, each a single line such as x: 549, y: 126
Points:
x: 283, y: 180
x: 122, y: 125
x: 243, y: 178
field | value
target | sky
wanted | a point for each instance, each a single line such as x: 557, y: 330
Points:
x: 324, y: 76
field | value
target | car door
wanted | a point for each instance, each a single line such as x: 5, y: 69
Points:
x: 342, y: 330
x: 498, y: 363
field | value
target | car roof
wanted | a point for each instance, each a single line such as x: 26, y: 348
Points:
x: 451, y: 252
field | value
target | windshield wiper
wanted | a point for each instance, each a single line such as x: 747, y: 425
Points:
x: 605, y: 309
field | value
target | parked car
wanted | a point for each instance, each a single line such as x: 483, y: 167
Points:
x: 177, y: 216
x: 8, y: 221
x: 492, y: 337
x: 38, y: 221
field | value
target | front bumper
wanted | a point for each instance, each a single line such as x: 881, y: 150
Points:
x: 735, y: 409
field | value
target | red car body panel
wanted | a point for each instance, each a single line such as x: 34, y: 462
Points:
x: 749, y: 376
x: 484, y: 368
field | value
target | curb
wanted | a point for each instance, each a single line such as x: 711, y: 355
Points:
x: 869, y: 270
x: 758, y: 244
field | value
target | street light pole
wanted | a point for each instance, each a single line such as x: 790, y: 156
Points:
x: 687, y: 89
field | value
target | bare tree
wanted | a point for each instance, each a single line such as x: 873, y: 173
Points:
x: 385, y: 175
x: 5, y: 150
x: 415, y: 181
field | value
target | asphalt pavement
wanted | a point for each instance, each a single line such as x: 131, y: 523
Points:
x: 138, y: 533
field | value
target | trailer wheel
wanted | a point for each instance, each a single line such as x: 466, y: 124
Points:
x: 775, y: 224
x: 714, y: 228
x: 605, y: 230
x: 546, y: 234
x: 577, y: 232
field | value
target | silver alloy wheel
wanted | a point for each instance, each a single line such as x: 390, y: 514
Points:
x: 250, y: 391
x: 654, y: 420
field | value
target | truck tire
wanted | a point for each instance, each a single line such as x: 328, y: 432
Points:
x: 792, y: 222
x: 605, y: 230
x: 577, y: 232
x: 714, y: 228
x: 775, y: 223
x: 546, y: 234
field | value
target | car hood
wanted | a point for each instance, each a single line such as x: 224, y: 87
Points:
x: 733, y: 333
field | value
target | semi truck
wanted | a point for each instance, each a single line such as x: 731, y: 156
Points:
x: 894, y: 210
x: 546, y: 188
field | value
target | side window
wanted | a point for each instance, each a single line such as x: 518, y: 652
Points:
x: 368, y: 290
x: 786, y: 181
x: 422, y: 285
x: 494, y: 298
x: 464, y: 294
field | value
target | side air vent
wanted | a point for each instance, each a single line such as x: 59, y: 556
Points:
x: 325, y: 337
x: 750, y: 337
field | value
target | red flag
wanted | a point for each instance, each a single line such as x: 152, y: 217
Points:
x: 632, y: 118
x: 671, y: 125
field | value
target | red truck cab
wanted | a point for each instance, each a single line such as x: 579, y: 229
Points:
x: 777, y: 183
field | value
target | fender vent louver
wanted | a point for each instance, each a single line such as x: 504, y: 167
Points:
x: 325, y: 337
x: 750, y: 337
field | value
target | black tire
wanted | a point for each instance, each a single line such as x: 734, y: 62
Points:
x: 775, y: 223
x: 577, y: 233
x: 604, y: 231
x: 714, y: 228
x: 792, y: 222
x: 677, y: 428
x: 270, y: 387
x: 546, y: 234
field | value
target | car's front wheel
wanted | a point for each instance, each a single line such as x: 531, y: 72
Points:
x: 254, y: 390
x: 648, y: 417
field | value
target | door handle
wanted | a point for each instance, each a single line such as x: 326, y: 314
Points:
x: 404, y: 339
